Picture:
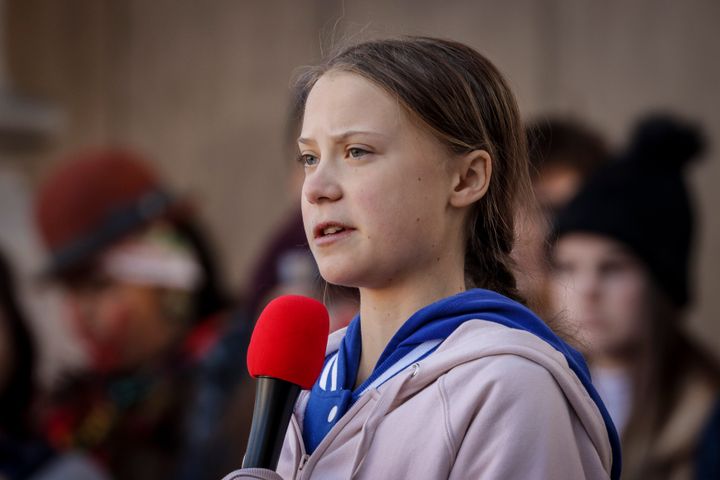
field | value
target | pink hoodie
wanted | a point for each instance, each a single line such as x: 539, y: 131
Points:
x: 491, y: 402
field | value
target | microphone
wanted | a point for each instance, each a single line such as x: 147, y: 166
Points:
x: 286, y: 353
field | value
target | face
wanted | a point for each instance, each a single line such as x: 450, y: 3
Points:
x: 375, y: 196
x: 118, y: 322
x: 603, y: 290
x: 123, y: 323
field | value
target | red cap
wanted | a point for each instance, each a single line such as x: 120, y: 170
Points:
x: 289, y: 340
x: 84, y: 189
x: 93, y: 199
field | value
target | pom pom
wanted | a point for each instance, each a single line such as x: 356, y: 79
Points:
x: 665, y: 140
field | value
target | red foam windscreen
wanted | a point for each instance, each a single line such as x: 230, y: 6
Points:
x: 289, y: 340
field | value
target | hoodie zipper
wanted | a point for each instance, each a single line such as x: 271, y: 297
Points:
x: 303, y: 461
x: 308, y: 461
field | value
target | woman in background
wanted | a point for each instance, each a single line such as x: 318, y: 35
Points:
x: 621, y: 259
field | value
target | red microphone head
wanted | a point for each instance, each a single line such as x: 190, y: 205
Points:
x: 289, y: 340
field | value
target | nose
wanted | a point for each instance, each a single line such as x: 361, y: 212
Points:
x: 587, y: 285
x: 322, y: 184
x: 80, y: 311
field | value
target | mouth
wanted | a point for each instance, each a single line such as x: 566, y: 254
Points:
x: 328, y: 232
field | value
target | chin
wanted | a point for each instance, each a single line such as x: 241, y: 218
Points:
x: 339, y: 275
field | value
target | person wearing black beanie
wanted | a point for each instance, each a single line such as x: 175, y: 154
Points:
x: 621, y: 255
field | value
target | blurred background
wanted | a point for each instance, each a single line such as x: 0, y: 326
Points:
x: 202, y: 89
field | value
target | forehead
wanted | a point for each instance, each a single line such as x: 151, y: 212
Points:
x: 591, y: 245
x: 348, y: 101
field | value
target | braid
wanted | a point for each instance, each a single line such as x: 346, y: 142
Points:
x: 488, y: 261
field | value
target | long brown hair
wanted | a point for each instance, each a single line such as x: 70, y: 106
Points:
x: 667, y: 363
x: 464, y: 101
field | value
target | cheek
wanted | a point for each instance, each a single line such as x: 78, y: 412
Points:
x: 305, y: 207
x: 626, y: 305
x: 401, y: 216
x: 376, y: 211
x: 102, y: 318
x: 101, y: 322
x: 114, y: 318
x: 626, y: 308
x: 82, y: 315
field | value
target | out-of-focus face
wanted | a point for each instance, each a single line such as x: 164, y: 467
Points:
x: 121, y: 324
x: 375, y: 196
x: 136, y: 299
x: 602, y: 289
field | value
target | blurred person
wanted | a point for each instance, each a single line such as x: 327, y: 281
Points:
x: 24, y: 452
x: 563, y: 153
x: 145, y: 296
x: 621, y: 276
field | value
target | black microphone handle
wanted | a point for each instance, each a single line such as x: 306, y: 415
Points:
x: 274, y: 403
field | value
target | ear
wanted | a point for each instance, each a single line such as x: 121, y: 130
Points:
x: 471, y: 178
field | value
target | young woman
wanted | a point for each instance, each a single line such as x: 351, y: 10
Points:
x: 414, y: 164
x: 621, y: 275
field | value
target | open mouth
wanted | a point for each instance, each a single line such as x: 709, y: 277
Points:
x: 330, y: 230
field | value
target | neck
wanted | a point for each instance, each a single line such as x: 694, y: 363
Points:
x: 383, y: 311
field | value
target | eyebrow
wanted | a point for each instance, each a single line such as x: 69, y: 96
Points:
x: 343, y: 136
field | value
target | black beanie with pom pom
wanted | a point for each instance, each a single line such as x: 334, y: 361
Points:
x: 642, y: 201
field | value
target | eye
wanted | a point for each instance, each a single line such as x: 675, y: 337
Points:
x: 308, y: 159
x: 356, y: 152
x: 560, y: 267
x: 613, y: 267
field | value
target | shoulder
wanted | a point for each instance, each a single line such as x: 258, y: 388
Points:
x: 489, y: 366
x: 510, y: 418
x: 508, y: 382
x: 506, y: 370
x: 493, y: 363
x: 488, y: 353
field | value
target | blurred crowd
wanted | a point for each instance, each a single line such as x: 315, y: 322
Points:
x: 604, y: 256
